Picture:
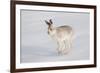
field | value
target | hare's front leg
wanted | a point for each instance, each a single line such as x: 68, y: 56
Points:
x: 60, y: 47
x: 63, y: 46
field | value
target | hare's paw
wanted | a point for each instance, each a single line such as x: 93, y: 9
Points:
x: 65, y: 52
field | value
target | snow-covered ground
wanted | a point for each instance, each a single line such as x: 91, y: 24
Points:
x: 37, y: 46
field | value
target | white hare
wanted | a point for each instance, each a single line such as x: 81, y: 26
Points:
x: 63, y: 36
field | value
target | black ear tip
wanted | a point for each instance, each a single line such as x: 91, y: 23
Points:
x: 50, y: 19
x: 46, y: 21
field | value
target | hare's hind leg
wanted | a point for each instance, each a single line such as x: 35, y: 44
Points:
x: 68, y: 46
x: 61, y: 47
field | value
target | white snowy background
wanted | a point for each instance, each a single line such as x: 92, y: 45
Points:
x: 38, y: 46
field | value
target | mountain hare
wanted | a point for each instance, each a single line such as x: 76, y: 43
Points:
x: 63, y: 36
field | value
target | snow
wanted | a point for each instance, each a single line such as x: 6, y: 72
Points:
x: 38, y: 46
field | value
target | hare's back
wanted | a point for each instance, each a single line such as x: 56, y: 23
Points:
x: 64, y: 29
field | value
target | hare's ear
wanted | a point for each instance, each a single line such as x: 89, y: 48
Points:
x: 50, y: 21
x: 47, y: 22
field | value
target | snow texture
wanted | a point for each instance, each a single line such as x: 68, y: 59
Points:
x: 38, y: 46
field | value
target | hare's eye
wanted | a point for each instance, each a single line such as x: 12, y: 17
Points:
x: 51, y: 29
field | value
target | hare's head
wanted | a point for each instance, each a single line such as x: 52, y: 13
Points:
x: 50, y: 24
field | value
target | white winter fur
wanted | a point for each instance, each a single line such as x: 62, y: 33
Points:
x: 63, y: 35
